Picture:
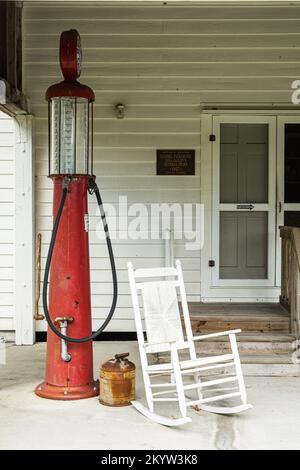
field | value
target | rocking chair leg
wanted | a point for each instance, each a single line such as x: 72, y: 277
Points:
x: 178, y: 380
x: 197, y: 381
x: 238, y: 368
x: 151, y: 406
x: 148, y: 392
x: 147, y: 382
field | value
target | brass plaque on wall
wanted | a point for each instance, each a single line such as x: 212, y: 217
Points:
x: 175, y: 162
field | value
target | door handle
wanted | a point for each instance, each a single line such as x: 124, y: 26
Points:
x: 248, y: 207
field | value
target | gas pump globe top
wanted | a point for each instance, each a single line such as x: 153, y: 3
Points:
x: 70, y: 114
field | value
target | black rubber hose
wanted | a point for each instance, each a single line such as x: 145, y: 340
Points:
x: 93, y: 189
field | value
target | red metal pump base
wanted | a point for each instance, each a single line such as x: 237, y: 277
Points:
x: 69, y: 296
x: 54, y: 392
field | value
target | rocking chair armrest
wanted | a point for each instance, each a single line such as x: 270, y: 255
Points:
x: 215, y: 335
x: 147, y: 345
x: 168, y: 345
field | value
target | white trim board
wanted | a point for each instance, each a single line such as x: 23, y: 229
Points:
x: 24, y: 232
x: 251, y: 111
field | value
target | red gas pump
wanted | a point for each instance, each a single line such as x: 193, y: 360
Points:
x: 69, y: 369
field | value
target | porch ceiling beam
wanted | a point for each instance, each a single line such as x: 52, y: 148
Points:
x: 183, y: 2
x: 12, y: 100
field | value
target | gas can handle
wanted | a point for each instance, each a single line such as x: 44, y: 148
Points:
x: 121, y: 355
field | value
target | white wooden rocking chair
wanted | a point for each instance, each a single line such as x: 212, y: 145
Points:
x: 164, y: 331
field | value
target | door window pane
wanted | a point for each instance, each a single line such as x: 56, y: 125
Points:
x: 244, y: 163
x: 292, y: 163
x: 292, y: 218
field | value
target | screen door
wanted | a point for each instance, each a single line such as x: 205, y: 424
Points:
x: 243, y: 202
x: 288, y: 207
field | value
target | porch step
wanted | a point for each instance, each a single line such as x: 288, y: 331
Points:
x: 250, y: 317
x: 266, y: 346
x: 249, y: 344
x: 271, y: 369
x: 273, y: 365
x: 266, y: 359
x: 267, y: 365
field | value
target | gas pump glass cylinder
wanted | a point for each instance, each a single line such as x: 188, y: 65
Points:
x: 70, y: 136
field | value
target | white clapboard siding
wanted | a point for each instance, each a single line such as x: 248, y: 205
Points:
x: 163, y: 62
x: 7, y: 158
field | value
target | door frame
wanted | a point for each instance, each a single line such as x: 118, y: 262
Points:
x: 268, y: 291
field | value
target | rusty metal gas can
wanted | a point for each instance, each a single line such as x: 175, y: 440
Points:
x: 117, y: 381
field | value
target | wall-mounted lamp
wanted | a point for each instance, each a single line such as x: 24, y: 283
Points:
x: 120, y: 111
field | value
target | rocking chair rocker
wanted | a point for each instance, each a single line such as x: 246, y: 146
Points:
x: 165, y: 333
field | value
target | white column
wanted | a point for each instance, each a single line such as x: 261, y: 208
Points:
x: 24, y: 232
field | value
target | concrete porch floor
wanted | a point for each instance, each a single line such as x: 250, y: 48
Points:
x: 29, y: 422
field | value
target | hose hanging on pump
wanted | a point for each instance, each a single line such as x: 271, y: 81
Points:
x: 93, y: 188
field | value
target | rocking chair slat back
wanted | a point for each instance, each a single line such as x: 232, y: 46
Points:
x: 161, y: 311
x: 160, y: 307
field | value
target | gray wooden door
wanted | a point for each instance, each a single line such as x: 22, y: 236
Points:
x: 244, y: 215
